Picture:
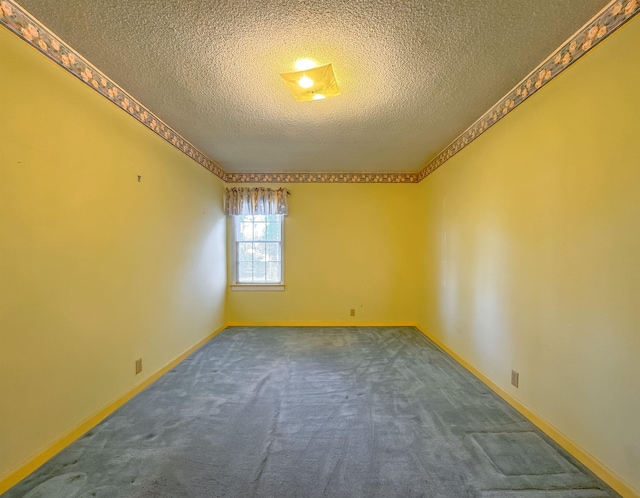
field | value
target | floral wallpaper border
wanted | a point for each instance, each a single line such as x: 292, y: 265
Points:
x: 322, y: 177
x: 612, y: 17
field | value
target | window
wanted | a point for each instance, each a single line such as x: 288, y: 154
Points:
x: 257, y: 221
x: 258, y: 250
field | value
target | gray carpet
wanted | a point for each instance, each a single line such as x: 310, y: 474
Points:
x: 313, y: 412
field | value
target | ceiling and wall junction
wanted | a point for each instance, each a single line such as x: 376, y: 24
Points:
x: 419, y: 80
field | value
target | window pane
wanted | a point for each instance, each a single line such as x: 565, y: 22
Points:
x: 273, y: 272
x: 273, y: 230
x: 245, y: 231
x: 273, y: 251
x: 259, y: 252
x: 245, y: 272
x: 259, y: 272
x: 259, y: 231
x: 245, y: 251
x: 260, y: 218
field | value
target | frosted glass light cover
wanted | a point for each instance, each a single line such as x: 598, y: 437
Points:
x: 324, y: 83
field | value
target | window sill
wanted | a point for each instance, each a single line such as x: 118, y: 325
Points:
x: 257, y: 287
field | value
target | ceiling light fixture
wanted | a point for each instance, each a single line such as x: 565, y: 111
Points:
x: 311, y: 83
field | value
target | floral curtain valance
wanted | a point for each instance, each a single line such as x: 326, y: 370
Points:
x: 258, y: 200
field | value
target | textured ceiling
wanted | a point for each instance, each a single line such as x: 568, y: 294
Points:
x: 413, y: 75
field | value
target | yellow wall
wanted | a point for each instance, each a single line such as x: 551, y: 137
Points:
x: 532, y: 253
x: 96, y: 269
x: 346, y: 246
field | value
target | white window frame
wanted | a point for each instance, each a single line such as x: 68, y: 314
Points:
x: 254, y: 286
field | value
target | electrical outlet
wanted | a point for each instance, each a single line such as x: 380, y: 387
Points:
x: 352, y: 312
x: 515, y: 378
x: 138, y: 366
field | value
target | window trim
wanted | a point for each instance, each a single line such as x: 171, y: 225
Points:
x: 253, y: 286
x: 257, y: 287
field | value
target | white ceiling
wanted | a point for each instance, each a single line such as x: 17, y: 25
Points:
x: 413, y: 74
